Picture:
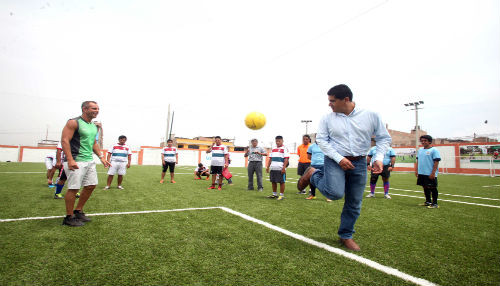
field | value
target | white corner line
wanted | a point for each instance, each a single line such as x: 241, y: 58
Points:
x: 357, y: 258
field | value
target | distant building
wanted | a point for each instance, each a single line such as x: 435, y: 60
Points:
x: 404, y: 139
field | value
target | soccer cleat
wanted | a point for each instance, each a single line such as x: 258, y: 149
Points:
x: 387, y: 196
x: 72, y: 221
x: 260, y: 190
x: 280, y: 198
x: 207, y: 178
x: 172, y: 181
x: 303, y: 192
x: 272, y: 196
x: 311, y: 197
x: 211, y: 187
x: 433, y: 206
x: 58, y: 196
x: 161, y: 181
x: 106, y: 188
x: 77, y: 195
x: 328, y: 200
x: 426, y: 204
x: 219, y: 188
x: 120, y: 187
x: 79, y: 215
x: 197, y: 178
x: 371, y: 195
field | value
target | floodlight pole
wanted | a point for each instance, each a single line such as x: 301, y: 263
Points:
x: 416, y: 108
x: 307, y: 123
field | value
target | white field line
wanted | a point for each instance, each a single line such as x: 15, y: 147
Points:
x: 492, y: 186
x: 452, y: 195
x: 444, y: 200
x: 120, y: 213
x: 357, y: 258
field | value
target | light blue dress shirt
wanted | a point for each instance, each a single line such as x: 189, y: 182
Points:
x: 342, y: 135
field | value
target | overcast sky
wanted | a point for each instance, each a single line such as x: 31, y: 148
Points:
x: 215, y: 61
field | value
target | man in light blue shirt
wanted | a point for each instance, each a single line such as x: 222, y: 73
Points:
x: 345, y: 137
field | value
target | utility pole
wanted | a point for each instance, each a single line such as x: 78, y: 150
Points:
x: 415, y: 106
x: 307, y: 123
x: 167, y: 134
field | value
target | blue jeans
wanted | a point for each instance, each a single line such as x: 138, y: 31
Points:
x: 335, y: 183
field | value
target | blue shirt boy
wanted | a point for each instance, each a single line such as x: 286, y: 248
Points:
x: 426, y: 159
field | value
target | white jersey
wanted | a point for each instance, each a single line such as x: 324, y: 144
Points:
x: 59, y: 147
x: 119, y: 153
x: 218, y: 153
x: 278, y: 155
x: 169, y: 154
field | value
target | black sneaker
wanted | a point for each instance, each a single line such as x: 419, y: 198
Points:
x: 272, y: 197
x: 72, y: 221
x: 426, y: 204
x: 81, y: 216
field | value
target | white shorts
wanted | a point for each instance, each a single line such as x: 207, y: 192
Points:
x: 117, y: 167
x: 85, y: 175
x: 50, y: 163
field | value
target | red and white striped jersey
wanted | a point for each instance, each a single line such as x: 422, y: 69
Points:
x: 120, y: 153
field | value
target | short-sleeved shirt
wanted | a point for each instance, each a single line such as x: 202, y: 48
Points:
x: 218, y: 152
x: 317, y: 156
x: 426, y: 159
x: 278, y: 155
x: 169, y: 154
x: 255, y: 157
x: 120, y: 153
x: 302, y: 152
x: 200, y: 170
x: 387, y: 156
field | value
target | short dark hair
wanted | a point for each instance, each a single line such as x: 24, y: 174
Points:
x: 309, y: 137
x: 340, y: 91
x: 254, y: 140
x: 428, y: 137
x: 122, y: 137
x: 170, y: 140
x: 86, y: 104
x: 279, y: 137
x: 200, y: 165
x: 217, y: 137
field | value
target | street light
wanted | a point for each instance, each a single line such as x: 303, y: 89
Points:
x: 415, y: 106
x: 307, y: 123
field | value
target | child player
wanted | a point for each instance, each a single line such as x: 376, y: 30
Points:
x: 201, y: 171
x: 169, y: 159
x: 120, y: 156
x: 220, y: 160
x: 277, y: 165
x: 426, y: 170
x: 388, y: 162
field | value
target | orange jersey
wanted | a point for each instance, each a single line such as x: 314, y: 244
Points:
x: 302, y: 152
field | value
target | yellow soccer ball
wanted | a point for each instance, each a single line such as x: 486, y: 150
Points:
x: 255, y: 120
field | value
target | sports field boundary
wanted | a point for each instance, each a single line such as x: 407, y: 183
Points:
x: 367, y: 262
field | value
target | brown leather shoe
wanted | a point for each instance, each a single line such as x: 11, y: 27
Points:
x: 304, y: 181
x: 350, y: 244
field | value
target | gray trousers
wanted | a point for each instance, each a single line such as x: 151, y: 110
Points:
x: 255, y: 167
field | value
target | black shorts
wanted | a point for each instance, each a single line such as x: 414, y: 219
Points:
x: 275, y: 176
x: 216, y: 170
x: 385, y: 173
x: 62, y: 175
x: 170, y: 165
x: 425, y: 181
x: 302, y: 168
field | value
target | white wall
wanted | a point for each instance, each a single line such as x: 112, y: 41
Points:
x: 9, y: 154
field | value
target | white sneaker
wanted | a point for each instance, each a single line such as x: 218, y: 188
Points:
x: 120, y: 187
x: 106, y: 188
x: 387, y: 196
x: 371, y: 195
